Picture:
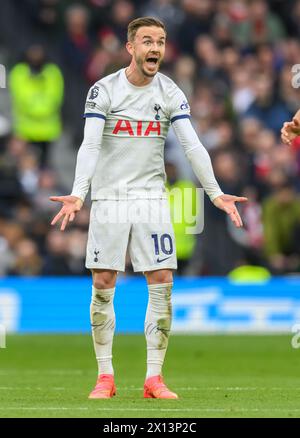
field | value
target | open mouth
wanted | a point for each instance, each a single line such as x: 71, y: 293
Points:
x: 152, y: 61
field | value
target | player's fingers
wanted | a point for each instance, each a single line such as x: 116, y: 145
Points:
x: 57, y: 217
x: 295, y: 121
x: 56, y: 198
x: 285, y: 138
x: 235, y: 217
x: 240, y: 199
x: 239, y: 219
x: 64, y: 222
x: 72, y: 217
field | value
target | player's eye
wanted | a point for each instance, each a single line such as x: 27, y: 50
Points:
x: 148, y: 43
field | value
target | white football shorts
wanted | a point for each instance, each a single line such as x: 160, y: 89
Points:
x: 141, y: 225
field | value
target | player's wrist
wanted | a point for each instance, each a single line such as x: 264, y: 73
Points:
x: 77, y: 198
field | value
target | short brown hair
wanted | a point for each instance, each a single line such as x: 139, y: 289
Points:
x: 134, y: 25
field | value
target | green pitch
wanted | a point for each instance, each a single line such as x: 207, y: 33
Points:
x: 215, y: 376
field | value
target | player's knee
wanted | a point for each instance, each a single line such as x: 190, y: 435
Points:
x: 104, y: 279
x: 160, y: 276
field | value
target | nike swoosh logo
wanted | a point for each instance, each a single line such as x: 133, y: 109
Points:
x: 117, y: 111
x: 162, y: 260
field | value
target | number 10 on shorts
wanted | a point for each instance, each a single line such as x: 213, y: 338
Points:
x: 162, y: 244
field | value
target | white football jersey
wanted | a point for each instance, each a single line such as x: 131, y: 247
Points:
x: 137, y: 119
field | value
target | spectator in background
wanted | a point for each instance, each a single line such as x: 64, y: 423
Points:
x: 36, y: 87
x: 267, y: 108
x: 242, y: 94
x: 28, y: 172
x: 104, y: 55
x: 76, y: 48
x: 6, y: 252
x: 281, y: 221
x: 197, y: 21
x: 56, y: 261
x: 77, y: 40
x: 185, y: 74
x: 11, y: 233
x: 259, y: 25
x: 77, y: 240
x: 168, y: 11
x: 294, y: 19
x: 121, y: 14
x: 47, y: 184
x: 27, y: 259
x: 11, y: 190
x: 208, y: 57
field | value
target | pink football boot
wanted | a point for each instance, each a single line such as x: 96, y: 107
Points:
x: 105, y: 387
x: 154, y: 387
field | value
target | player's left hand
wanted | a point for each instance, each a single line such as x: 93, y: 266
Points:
x: 227, y: 204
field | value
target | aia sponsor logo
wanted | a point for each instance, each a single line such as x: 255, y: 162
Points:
x: 138, y: 128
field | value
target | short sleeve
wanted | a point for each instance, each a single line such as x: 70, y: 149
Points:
x: 179, y: 107
x: 97, y: 102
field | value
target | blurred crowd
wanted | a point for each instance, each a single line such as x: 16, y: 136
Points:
x: 236, y: 61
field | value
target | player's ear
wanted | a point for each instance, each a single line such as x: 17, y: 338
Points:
x: 129, y: 47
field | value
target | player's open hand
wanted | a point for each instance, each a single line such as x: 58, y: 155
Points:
x: 291, y: 130
x: 227, y: 204
x: 71, y: 204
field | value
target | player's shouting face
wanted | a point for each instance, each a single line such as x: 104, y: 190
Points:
x: 148, y: 49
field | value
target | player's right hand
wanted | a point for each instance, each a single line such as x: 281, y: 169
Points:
x: 71, y: 205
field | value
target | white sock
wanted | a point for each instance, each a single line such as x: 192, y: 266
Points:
x: 157, y: 326
x: 103, y: 327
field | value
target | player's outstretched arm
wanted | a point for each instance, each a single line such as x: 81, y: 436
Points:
x: 201, y: 164
x: 227, y: 204
x: 85, y: 167
x: 71, y: 205
x: 291, y: 130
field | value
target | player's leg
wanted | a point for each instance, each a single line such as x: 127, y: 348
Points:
x: 157, y: 330
x: 106, y: 251
x: 152, y: 251
x: 103, y: 325
x: 158, y: 319
x: 103, y: 317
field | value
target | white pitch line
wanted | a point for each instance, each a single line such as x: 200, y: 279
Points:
x: 233, y: 410
x: 30, y: 388
x: 218, y: 388
x: 44, y: 372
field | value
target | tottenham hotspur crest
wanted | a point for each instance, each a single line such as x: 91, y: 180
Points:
x: 157, y: 108
x: 96, y: 256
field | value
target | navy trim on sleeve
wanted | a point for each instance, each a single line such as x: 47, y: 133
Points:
x: 100, y: 116
x: 182, y: 116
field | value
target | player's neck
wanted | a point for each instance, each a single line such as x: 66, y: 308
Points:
x: 135, y: 77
